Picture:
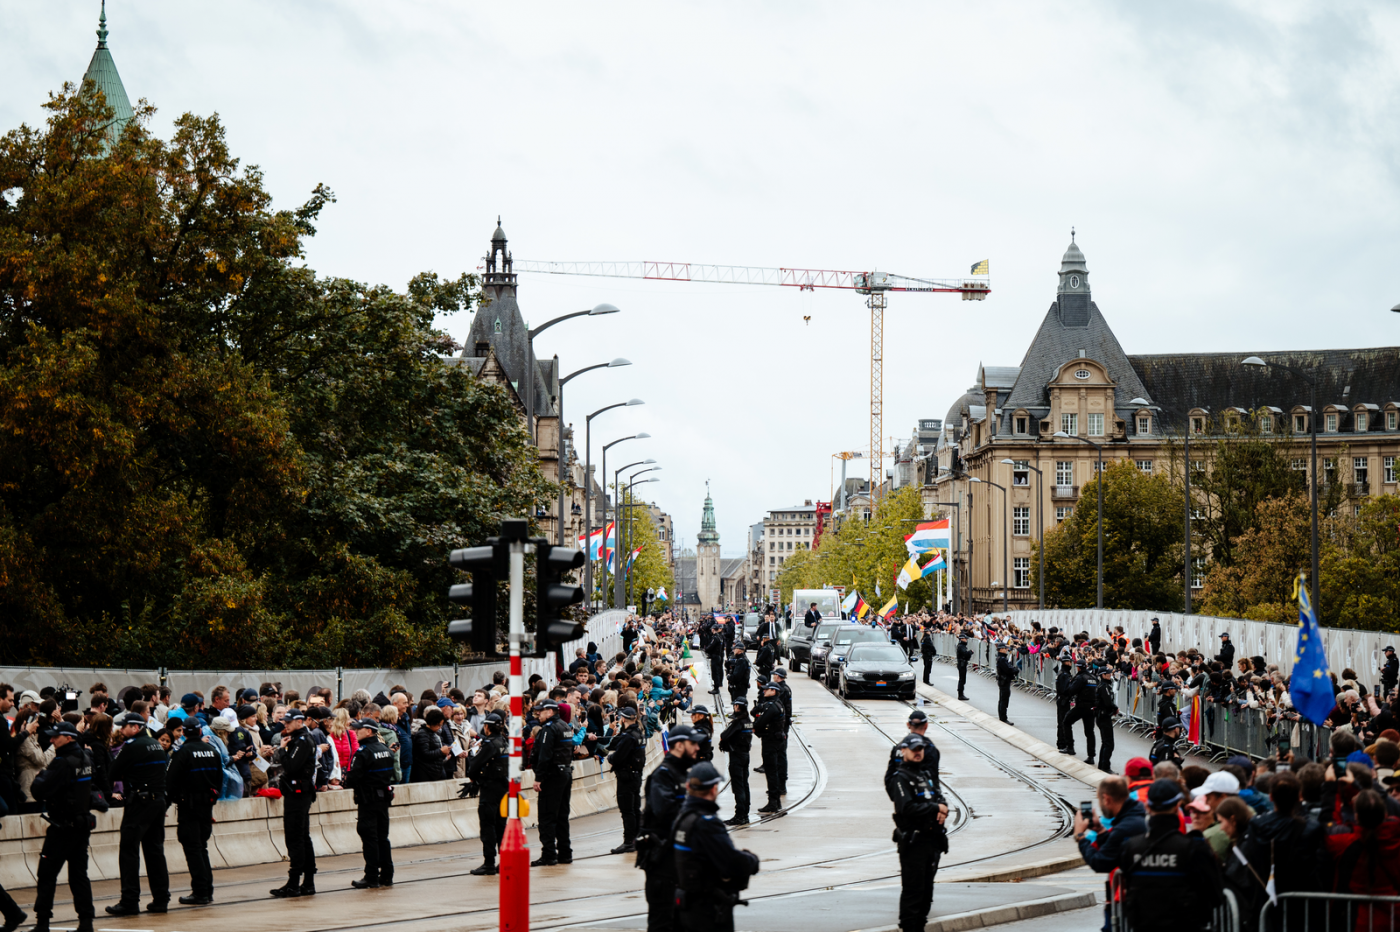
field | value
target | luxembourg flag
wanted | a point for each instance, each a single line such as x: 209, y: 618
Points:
x: 661, y: 594
x: 933, y: 566
x: 931, y: 535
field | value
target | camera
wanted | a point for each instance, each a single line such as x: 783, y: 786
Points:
x: 67, y: 697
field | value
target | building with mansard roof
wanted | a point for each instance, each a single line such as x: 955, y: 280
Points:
x: 1077, y: 379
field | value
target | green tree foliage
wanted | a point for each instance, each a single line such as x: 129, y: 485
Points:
x: 864, y: 555
x: 1258, y: 583
x: 209, y: 455
x: 1142, y: 545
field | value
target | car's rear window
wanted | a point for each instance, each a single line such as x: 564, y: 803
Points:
x: 859, y: 634
x: 877, y: 652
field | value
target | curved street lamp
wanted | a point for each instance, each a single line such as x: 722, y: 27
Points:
x: 622, y: 578
x: 642, y: 435
x: 588, y: 487
x: 559, y: 406
x: 531, y: 365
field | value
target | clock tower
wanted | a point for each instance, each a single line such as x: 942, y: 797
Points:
x: 1073, y: 290
x: 707, y: 563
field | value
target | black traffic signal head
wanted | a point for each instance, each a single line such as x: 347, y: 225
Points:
x: 552, y: 595
x: 484, y: 565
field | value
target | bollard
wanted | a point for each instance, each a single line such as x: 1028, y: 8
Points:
x: 515, y: 879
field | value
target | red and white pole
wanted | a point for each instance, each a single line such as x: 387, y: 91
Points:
x: 515, y: 852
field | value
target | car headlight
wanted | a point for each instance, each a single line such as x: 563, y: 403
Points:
x: 907, y: 676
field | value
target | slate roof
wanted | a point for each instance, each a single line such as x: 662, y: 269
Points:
x: 999, y: 376
x: 1216, y: 381
x: 1056, y: 344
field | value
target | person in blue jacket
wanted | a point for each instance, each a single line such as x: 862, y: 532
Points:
x: 1101, y: 839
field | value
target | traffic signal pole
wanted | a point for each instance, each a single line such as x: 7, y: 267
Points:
x: 515, y: 851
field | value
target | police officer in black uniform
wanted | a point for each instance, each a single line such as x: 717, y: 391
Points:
x: 489, y: 768
x: 628, y: 757
x: 929, y: 650
x: 704, y: 725
x: 193, y: 783
x: 297, y: 755
x: 1064, y: 704
x: 710, y: 871
x: 140, y: 768
x: 964, y: 657
x: 919, y: 814
x: 1390, y: 673
x: 765, y: 659
x: 1006, y: 672
x: 1084, y: 691
x: 1171, y: 881
x: 371, y: 778
x: 1166, y: 705
x: 1106, y: 707
x: 665, y: 791
x: 739, y: 673
x: 554, y: 781
x: 715, y: 651
x: 1165, y: 746
x: 769, y: 725
x: 918, y: 725
x: 65, y: 788
x: 736, y: 741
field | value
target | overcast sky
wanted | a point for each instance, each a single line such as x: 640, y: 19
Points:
x: 1233, y: 170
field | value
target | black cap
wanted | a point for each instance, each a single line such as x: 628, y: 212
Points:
x: 1225, y: 634
x: 779, y: 671
x: 699, y: 710
x: 628, y: 713
x: 546, y: 704
x: 918, y: 715
x: 62, y: 728
x: 128, y: 718
x: 740, y: 701
x: 1170, y: 722
x: 912, y: 742
x: 295, y: 714
x: 369, y: 723
x: 248, y: 695
x: 1001, y: 645
x: 1388, y: 649
x: 704, y: 774
x: 1169, y: 685
x: 492, y: 718
x: 681, y: 732
x: 1162, y: 794
x: 962, y: 637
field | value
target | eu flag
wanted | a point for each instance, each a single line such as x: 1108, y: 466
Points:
x: 1310, y: 687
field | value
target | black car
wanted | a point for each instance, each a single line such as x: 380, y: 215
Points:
x: 840, y: 645
x: 876, y: 669
x: 804, y: 644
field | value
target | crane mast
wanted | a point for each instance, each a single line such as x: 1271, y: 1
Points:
x: 875, y: 285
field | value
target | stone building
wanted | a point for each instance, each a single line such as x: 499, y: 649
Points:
x: 785, y: 531
x: 1075, y: 378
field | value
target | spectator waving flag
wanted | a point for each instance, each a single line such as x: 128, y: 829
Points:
x: 1309, y: 687
x: 931, y: 535
x: 934, y: 565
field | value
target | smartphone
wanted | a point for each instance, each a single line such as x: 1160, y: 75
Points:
x: 1339, y: 767
x: 1086, y: 809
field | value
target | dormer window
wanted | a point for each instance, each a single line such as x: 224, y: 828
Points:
x: 1300, y: 423
x: 1198, y: 425
x: 1330, y: 423
x: 1266, y: 423
x: 1144, y: 425
x: 1082, y: 374
x: 1391, y: 417
x: 1022, y: 424
x: 1363, y: 422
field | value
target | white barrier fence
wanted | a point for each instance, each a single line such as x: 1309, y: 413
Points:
x: 603, y: 629
x: 1276, y: 643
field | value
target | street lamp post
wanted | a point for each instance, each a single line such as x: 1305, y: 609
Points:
x: 531, y: 367
x: 1039, y: 519
x: 624, y: 538
x: 1005, y: 579
x: 588, y: 491
x: 623, y: 576
x: 604, y: 473
x: 1186, y: 518
x: 559, y: 405
x: 1098, y: 602
x: 1312, y: 434
x: 618, y: 531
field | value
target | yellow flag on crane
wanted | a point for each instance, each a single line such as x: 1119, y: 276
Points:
x: 982, y: 268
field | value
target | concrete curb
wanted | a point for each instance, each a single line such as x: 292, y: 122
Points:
x: 996, y: 915
x: 1009, y: 874
x: 1072, y: 766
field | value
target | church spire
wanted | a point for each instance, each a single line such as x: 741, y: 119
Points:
x: 708, y: 534
x: 102, y: 27
x: 102, y: 72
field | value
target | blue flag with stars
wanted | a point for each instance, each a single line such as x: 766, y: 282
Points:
x: 1310, y: 687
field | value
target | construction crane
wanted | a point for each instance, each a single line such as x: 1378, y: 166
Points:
x: 875, y: 285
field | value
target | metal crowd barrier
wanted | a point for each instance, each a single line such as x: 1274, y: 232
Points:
x: 1224, y: 918
x: 1324, y: 912
x: 1224, y: 730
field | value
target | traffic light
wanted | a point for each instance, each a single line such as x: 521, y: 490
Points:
x: 480, y: 594
x: 552, y: 594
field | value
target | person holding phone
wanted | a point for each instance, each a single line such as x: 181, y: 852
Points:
x: 1101, y: 840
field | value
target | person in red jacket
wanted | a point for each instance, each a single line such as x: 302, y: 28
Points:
x: 1366, y: 855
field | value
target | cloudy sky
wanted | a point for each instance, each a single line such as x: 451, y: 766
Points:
x: 1233, y: 170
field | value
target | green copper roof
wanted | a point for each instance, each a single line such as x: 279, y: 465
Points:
x: 708, y: 534
x: 102, y: 71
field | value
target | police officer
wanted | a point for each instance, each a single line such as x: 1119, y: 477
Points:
x: 1171, y: 881
x: 1166, y: 705
x: 736, y: 741
x: 665, y: 791
x: 919, y: 814
x: 1165, y: 746
x: 715, y: 651
x: 628, y: 758
x: 1084, y: 691
x: 929, y: 650
x: 1106, y: 707
x: 489, y: 768
x: 964, y: 657
x: 65, y: 787
x: 140, y: 768
x: 371, y: 778
x: 739, y: 671
x: 1390, y: 672
x: 918, y: 725
x: 1006, y: 672
x: 766, y: 658
x: 297, y: 756
x: 710, y: 871
x: 1064, y: 704
x: 899, y: 633
x: 769, y: 725
x: 554, y: 780
x: 193, y: 782
x: 704, y: 725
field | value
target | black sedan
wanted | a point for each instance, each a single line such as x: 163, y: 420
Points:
x: 842, y: 640
x: 876, y: 669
